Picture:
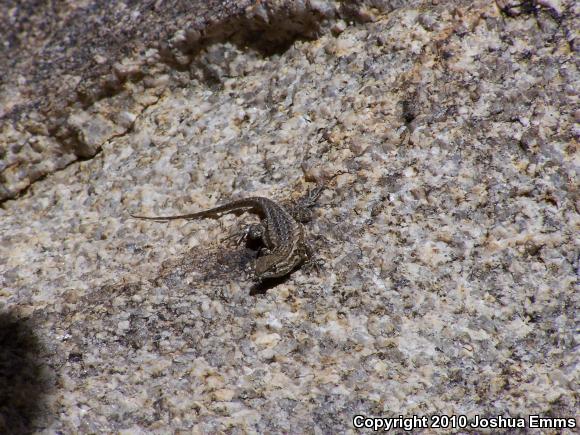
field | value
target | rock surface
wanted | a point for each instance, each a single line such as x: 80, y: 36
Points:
x: 449, y: 239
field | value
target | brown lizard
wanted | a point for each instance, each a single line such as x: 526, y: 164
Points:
x: 280, y: 231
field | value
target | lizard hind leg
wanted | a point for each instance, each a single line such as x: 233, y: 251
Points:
x: 254, y: 232
x: 300, y: 213
x: 310, y: 259
x: 250, y: 232
x: 301, y: 210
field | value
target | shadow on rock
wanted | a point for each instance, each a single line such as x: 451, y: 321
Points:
x: 262, y: 287
x: 24, y: 379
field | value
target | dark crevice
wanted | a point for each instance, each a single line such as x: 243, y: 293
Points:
x: 24, y: 191
x: 79, y: 158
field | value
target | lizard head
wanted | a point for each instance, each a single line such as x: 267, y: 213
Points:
x: 267, y: 267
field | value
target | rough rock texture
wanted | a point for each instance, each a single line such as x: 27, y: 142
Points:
x: 74, y: 76
x: 449, y: 239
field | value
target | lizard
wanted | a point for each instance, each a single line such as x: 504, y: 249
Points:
x: 280, y: 231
